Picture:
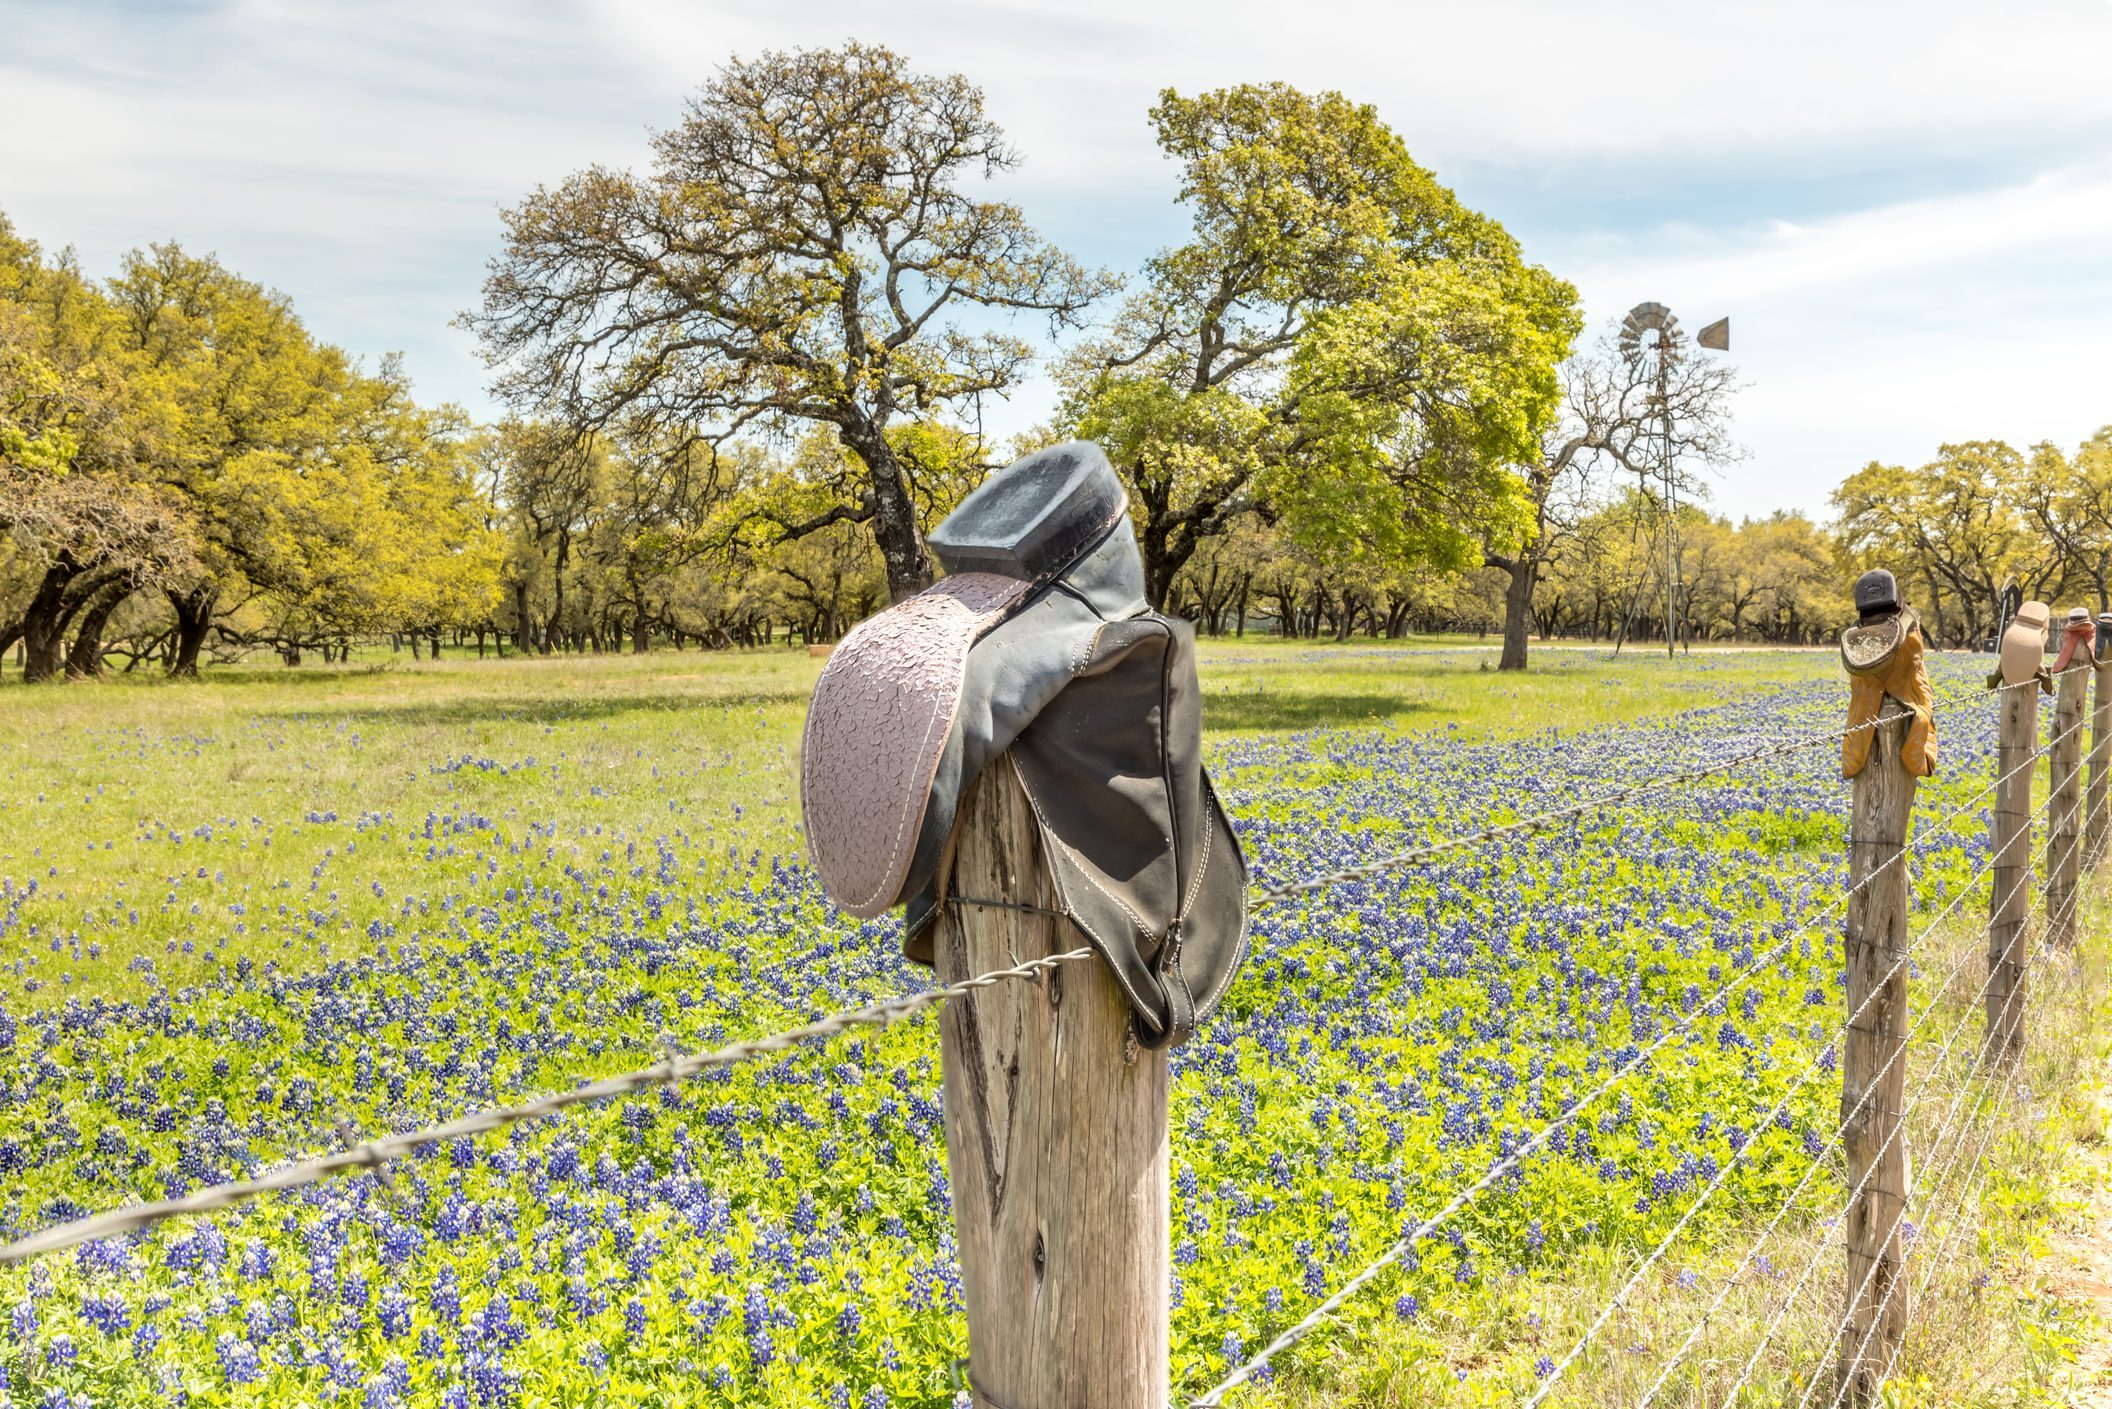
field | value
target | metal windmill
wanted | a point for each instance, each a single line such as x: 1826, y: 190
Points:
x: 1652, y: 344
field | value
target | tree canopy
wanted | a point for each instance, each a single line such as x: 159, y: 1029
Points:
x: 1340, y: 347
x: 802, y: 251
x: 742, y: 381
x: 176, y: 430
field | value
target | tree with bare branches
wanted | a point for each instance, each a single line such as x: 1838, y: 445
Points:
x: 1609, y: 424
x: 803, y: 250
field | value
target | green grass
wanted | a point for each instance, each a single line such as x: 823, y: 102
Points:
x: 691, y: 740
x: 111, y: 784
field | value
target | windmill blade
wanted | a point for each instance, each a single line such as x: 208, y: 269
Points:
x: 1647, y: 318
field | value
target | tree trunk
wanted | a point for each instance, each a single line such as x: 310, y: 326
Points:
x: 523, y: 629
x: 1517, y: 609
x: 894, y: 520
x: 551, y: 632
x: 86, y: 656
x: 194, y: 614
x: 43, y: 623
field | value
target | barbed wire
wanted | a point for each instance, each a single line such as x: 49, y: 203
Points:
x: 1929, y: 1008
x: 376, y: 1155
x: 1298, y: 1331
x: 1892, y: 1287
x: 1975, y: 1183
x: 1789, y: 1202
x: 1789, y: 1299
x: 1966, y: 1200
x: 1818, y: 1063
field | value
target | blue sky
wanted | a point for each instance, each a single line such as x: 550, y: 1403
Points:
x: 1906, y: 209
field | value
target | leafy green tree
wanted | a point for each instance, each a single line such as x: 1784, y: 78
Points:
x: 282, y: 452
x: 2070, y: 500
x: 1340, y: 345
x: 1956, y: 532
x: 804, y: 249
x: 81, y: 529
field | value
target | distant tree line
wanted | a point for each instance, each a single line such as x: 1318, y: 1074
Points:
x: 744, y: 381
x: 1981, y: 518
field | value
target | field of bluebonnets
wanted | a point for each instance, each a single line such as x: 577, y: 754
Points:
x: 249, y: 920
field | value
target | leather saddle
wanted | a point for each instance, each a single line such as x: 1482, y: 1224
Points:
x: 1038, y: 641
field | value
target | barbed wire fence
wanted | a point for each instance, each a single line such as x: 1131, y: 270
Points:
x: 1320, y: 1314
x: 1973, y: 1085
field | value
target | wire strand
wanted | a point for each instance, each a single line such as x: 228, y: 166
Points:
x: 1619, y: 1299
x: 375, y: 1154
x: 1298, y: 1331
x: 1884, y: 1301
x: 1768, y: 1331
x: 1679, y: 1354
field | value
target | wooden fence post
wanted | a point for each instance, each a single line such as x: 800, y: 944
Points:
x: 1873, y: 1067
x: 1055, y: 1140
x: 2009, y: 838
x: 2100, y: 762
x: 2064, y: 806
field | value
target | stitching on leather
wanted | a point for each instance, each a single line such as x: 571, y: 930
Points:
x: 1085, y: 651
x: 1202, y: 859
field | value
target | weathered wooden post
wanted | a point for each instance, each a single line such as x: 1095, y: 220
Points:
x: 2009, y: 837
x: 2064, y: 805
x: 1055, y: 1140
x: 2100, y: 762
x: 1873, y: 1067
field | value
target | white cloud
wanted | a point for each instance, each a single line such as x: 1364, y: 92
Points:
x: 1518, y: 81
x: 1897, y: 203
x: 1882, y: 333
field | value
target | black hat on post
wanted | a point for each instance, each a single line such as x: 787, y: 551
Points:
x: 1876, y: 591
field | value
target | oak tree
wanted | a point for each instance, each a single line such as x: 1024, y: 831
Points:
x: 806, y: 248
x: 1340, y: 345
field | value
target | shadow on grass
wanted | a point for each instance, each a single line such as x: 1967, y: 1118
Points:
x: 1276, y: 710
x: 236, y: 676
x: 547, y: 709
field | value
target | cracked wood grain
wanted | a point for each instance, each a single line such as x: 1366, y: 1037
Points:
x: 1056, y: 1146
